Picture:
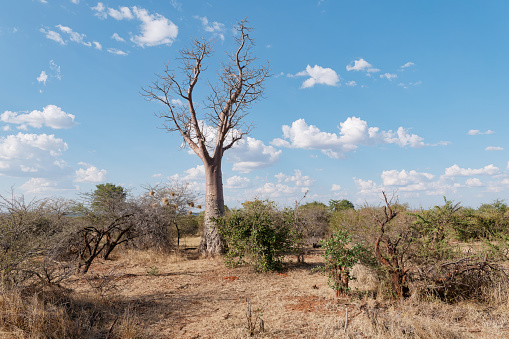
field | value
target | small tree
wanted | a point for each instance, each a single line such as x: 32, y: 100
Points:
x: 315, y: 220
x: 340, y: 205
x: 240, y: 85
x: 392, y: 252
x: 171, y: 204
x: 340, y: 257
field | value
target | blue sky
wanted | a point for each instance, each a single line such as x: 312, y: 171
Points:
x: 405, y: 96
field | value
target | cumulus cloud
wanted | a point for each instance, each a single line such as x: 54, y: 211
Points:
x: 319, y: 75
x: 297, y: 179
x: 43, y: 77
x: 155, y: 29
x: 90, y: 174
x: 335, y: 188
x: 97, y: 45
x: 352, y: 133
x: 477, y: 132
x: 362, y: 65
x: 494, y: 148
x: 388, y: 76
x: 52, y: 35
x: 117, y: 37
x: 237, y: 182
x: 456, y: 171
x: 214, y: 27
x: 402, y: 178
x: 251, y: 154
x: 195, y: 173
x: 116, y: 51
x: 276, y: 190
x: 121, y: 13
x: 25, y: 154
x: 51, y: 116
x: 414, y: 182
x: 45, y: 186
x: 473, y: 182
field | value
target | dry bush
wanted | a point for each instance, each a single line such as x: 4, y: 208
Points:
x: 468, y: 278
x: 315, y: 221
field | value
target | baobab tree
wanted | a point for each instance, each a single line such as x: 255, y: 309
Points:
x: 218, y: 123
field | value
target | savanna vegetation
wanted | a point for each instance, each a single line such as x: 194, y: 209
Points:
x: 114, y: 265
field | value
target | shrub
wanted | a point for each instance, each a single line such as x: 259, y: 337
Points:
x: 259, y: 234
x: 340, y: 257
x: 315, y: 221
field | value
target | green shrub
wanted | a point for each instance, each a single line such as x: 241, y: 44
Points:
x: 340, y: 257
x: 259, y: 234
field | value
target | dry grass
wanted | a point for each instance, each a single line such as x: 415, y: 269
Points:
x: 202, y: 298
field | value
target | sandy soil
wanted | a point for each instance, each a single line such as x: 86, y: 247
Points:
x: 182, y: 297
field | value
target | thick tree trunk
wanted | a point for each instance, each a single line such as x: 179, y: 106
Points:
x: 211, y: 243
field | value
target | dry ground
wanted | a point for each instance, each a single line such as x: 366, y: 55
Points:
x: 185, y: 297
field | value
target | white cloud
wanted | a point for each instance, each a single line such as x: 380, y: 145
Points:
x: 97, y: 45
x: 117, y: 37
x: 43, y: 1
x: 51, y: 116
x: 298, y: 179
x: 251, y: 154
x: 215, y: 27
x: 362, y: 65
x: 494, y: 148
x: 56, y: 70
x: 456, y: 171
x: 276, y: 190
x: 90, y: 174
x: 473, y: 182
x: 157, y: 175
x: 319, y: 75
x: 100, y: 11
x: 353, y: 132
x: 177, y: 102
x: 195, y: 173
x: 367, y: 186
x: 237, y: 182
x: 155, y: 28
x: 44, y: 186
x: 477, y: 132
x: 403, y: 178
x: 22, y: 154
x: 177, y: 5
x: 76, y: 2
x: 116, y: 51
x: 388, y: 76
x: 52, y: 35
x: 121, y: 13
x: 408, y: 64
x: 351, y: 83
x: 335, y: 188
x: 74, y: 36
x: 43, y: 77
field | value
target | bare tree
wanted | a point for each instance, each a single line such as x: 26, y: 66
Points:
x: 239, y: 86
x: 395, y: 252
